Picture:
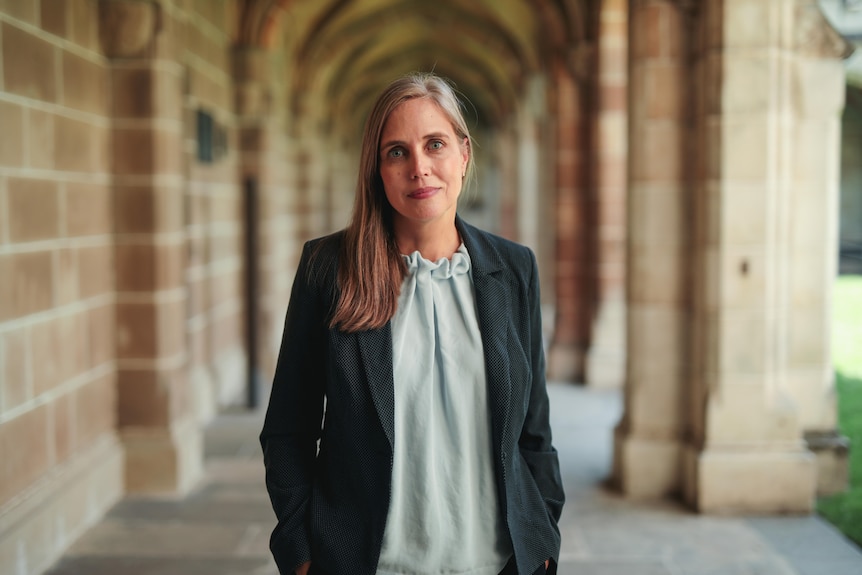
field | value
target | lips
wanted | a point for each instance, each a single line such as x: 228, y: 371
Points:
x: 422, y: 193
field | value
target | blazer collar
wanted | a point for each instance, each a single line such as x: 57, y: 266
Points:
x: 492, y: 296
x: 484, y: 257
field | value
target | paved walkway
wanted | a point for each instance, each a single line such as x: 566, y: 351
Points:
x: 223, y: 528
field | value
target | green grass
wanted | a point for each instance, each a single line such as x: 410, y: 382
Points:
x: 845, y: 509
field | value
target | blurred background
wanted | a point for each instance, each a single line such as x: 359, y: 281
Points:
x: 688, y: 172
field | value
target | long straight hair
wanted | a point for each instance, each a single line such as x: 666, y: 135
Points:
x: 370, y: 268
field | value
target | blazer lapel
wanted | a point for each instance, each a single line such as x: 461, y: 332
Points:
x: 492, y: 303
x: 375, y: 346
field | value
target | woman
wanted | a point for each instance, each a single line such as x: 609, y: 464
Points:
x: 422, y: 336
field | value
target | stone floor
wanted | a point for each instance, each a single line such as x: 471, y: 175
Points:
x: 223, y: 527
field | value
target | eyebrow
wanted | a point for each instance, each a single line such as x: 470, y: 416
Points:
x: 433, y: 135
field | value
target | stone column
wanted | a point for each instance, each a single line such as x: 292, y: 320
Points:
x: 568, y: 349
x: 648, y: 438
x: 767, y: 126
x: 818, y: 90
x: 162, y: 441
x: 606, y: 357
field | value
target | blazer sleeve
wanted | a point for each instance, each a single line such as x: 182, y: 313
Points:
x: 535, y: 439
x: 293, y: 419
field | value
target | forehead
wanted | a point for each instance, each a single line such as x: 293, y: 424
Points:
x: 417, y: 116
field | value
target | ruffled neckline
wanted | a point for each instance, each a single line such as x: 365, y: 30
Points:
x: 443, y: 268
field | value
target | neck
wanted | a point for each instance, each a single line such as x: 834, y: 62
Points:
x: 433, y: 240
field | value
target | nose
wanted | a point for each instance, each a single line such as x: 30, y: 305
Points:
x: 420, y: 166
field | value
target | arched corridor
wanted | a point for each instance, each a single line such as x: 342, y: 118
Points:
x: 673, y: 164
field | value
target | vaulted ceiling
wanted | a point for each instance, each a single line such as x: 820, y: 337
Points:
x: 341, y: 52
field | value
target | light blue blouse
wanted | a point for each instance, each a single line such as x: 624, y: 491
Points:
x: 444, y: 517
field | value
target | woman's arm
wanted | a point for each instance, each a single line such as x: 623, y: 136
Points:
x: 293, y: 420
x: 535, y: 440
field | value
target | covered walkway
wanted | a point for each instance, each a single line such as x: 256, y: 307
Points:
x: 222, y: 528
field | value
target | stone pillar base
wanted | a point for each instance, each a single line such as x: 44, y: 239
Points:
x: 163, y: 461
x: 605, y: 367
x: 761, y: 480
x: 832, y: 451
x: 645, y: 468
x: 203, y: 389
x: 566, y: 363
x: 605, y: 362
x: 37, y: 526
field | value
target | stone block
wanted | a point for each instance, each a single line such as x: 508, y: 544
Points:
x: 749, y: 25
x: 149, y: 267
x: 660, y: 216
x: 145, y: 151
x: 95, y: 409
x: 64, y: 427
x: 150, y: 330
x: 143, y: 398
x: 743, y: 213
x: 742, y: 340
x: 54, y: 17
x: 88, y: 209
x: 15, y: 358
x: 66, y: 276
x: 742, y: 410
x: 26, y: 11
x: 12, y: 120
x: 143, y: 209
x: 24, y: 461
x: 29, y: 64
x: 566, y: 362
x: 646, y: 468
x: 39, y: 145
x: 818, y: 87
x: 95, y: 270
x: 83, y: 24
x: 660, y: 158
x: 816, y: 152
x: 137, y: 325
x: 810, y: 280
x: 813, y: 392
x: 27, y: 284
x: 655, y: 398
x: 808, y: 341
x: 655, y: 276
x: 745, y: 148
x: 100, y: 322
x: 664, y: 90
x: 59, y: 351
x: 146, y: 93
x: 33, y: 209
x: 754, y: 481
x: 655, y: 336
x: 166, y: 460
x: 80, y: 146
x: 743, y: 278
x: 748, y: 83
x: 85, y: 84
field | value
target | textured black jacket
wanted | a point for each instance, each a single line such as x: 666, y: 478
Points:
x: 332, y: 505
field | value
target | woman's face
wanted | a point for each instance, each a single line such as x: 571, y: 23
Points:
x: 422, y: 162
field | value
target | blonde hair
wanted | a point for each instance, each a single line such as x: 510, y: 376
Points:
x: 371, y: 269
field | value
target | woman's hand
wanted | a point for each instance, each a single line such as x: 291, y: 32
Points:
x: 547, y: 564
x: 303, y: 569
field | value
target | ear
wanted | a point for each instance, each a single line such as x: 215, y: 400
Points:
x: 465, y: 154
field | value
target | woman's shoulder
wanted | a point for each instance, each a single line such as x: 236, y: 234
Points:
x: 493, y: 246
x: 320, y: 257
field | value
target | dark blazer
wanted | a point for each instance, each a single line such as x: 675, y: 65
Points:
x: 332, y: 505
